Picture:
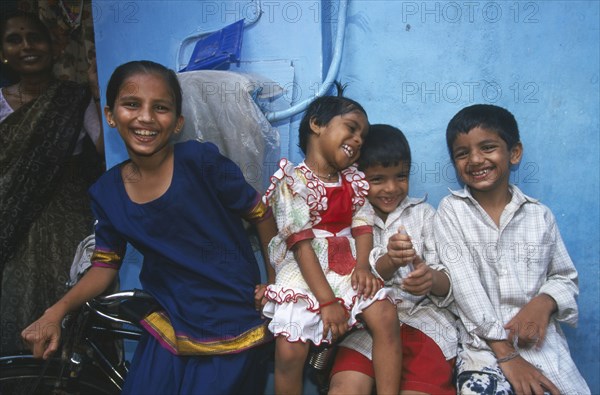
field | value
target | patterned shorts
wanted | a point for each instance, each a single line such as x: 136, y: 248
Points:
x: 481, y: 383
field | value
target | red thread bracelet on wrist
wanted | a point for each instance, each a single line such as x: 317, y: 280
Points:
x: 332, y: 301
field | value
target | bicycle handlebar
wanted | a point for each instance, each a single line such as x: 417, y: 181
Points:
x: 101, y: 304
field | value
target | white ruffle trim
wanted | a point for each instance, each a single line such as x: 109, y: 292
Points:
x: 294, y: 313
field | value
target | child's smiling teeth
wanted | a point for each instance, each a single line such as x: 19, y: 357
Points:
x: 348, y: 150
x: 146, y: 133
x: 480, y: 173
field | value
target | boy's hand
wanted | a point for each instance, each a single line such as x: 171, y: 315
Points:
x: 526, y: 379
x: 400, y: 249
x: 365, y: 283
x: 43, y: 336
x: 529, y: 325
x: 419, y: 281
x: 335, y: 321
x: 259, y: 296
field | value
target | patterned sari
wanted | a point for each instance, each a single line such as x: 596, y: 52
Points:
x: 44, y: 207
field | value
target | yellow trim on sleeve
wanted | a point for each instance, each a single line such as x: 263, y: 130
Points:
x: 257, y: 212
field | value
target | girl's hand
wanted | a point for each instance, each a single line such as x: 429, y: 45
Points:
x: 335, y: 321
x: 420, y: 281
x: 260, y: 296
x: 365, y: 283
x: 529, y: 325
x: 526, y: 379
x: 43, y: 336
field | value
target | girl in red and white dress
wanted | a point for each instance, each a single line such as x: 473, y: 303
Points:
x: 323, y: 284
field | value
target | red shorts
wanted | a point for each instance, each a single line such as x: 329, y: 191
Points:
x: 424, y: 367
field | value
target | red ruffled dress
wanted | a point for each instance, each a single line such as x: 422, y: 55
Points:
x: 330, y: 215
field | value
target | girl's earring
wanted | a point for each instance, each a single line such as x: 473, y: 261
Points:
x: 111, y: 124
x: 5, y: 61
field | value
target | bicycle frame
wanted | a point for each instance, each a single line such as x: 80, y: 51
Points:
x: 91, y: 351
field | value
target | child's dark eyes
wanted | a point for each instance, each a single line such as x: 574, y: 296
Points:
x: 161, y: 108
x: 460, y: 155
x: 158, y: 108
x: 488, y: 148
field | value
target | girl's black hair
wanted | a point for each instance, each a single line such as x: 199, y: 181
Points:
x: 486, y: 116
x: 322, y: 110
x: 129, y: 69
x: 384, y: 146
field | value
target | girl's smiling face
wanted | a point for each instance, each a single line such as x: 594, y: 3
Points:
x: 341, y: 138
x: 145, y: 114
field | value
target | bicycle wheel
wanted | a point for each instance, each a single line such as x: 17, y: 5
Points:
x: 25, y: 375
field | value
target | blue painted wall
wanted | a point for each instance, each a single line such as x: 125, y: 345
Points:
x: 414, y: 64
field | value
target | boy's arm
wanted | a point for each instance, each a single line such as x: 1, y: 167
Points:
x: 529, y: 325
x: 424, y: 280
x: 523, y: 376
x: 438, y: 288
x: 562, y: 281
x: 400, y: 252
x: 556, y: 295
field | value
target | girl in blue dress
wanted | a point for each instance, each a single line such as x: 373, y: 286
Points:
x: 181, y: 206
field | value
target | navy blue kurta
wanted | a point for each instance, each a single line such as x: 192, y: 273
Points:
x: 198, y: 262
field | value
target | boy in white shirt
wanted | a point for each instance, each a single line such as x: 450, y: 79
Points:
x: 429, y: 339
x: 512, y: 278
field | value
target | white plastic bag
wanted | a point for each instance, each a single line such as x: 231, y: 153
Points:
x: 219, y: 107
x: 82, y: 260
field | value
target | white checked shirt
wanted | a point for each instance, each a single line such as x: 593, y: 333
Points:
x: 496, y: 270
x: 428, y: 314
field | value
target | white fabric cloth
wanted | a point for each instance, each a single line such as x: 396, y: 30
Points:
x: 5, y: 108
x: 429, y: 314
x: 297, y: 198
x: 496, y: 270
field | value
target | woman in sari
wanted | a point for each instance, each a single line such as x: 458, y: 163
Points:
x: 50, y: 141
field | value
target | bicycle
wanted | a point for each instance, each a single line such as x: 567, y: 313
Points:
x: 91, y: 360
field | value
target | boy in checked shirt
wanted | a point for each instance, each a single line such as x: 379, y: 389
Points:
x: 512, y: 278
x: 404, y: 257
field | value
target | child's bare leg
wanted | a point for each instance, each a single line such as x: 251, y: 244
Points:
x: 350, y: 382
x: 289, y: 366
x: 382, y: 320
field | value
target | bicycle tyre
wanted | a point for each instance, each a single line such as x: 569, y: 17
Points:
x: 20, y: 374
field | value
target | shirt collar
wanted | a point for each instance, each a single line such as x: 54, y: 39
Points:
x: 518, y: 197
x: 404, y: 204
